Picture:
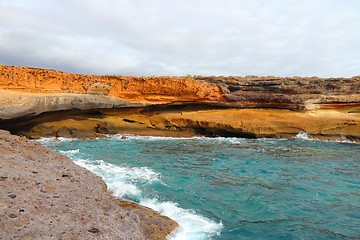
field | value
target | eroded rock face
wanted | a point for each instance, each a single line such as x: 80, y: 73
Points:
x: 30, y: 91
x: 14, y: 104
x: 60, y: 91
x: 44, y: 195
x: 27, y: 92
x: 288, y: 93
x: 134, y: 89
x: 326, y: 124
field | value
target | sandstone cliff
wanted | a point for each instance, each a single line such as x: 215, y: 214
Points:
x: 290, y: 92
x: 39, y: 102
x: 250, y: 91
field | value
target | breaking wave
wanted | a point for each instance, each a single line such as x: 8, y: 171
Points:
x: 123, y: 182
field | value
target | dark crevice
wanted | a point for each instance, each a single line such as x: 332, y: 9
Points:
x: 25, y: 123
x: 217, y: 132
x: 164, y: 108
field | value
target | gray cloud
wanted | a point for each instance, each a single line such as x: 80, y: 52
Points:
x: 159, y: 37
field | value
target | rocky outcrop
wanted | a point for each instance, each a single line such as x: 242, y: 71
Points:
x: 44, y: 195
x: 15, y: 104
x: 38, y: 102
x: 248, y: 123
x: 29, y: 91
x: 52, y: 90
x: 134, y: 89
x: 289, y: 92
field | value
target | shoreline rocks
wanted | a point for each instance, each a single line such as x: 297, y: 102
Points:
x: 323, y: 124
x: 44, y: 195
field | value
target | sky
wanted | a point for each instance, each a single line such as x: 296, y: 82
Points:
x: 180, y: 37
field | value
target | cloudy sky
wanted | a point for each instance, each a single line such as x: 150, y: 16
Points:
x: 179, y: 37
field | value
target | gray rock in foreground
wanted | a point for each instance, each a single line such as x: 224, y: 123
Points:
x: 44, y: 195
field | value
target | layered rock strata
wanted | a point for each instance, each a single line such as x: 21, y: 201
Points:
x: 248, y: 123
x: 288, y: 93
x: 44, y: 195
x: 39, y: 102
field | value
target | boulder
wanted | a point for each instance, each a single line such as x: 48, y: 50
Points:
x: 64, y: 132
x: 102, y: 127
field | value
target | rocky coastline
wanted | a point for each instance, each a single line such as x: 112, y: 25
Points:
x: 45, y: 195
x: 40, y: 102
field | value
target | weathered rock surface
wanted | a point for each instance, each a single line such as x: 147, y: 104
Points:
x: 67, y: 91
x: 19, y: 104
x: 135, y: 89
x: 248, y: 123
x: 28, y: 92
x: 290, y: 92
x: 44, y: 195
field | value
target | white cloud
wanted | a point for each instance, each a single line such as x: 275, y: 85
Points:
x: 159, y: 37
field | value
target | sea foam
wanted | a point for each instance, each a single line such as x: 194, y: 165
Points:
x: 302, y: 135
x: 240, y: 193
x: 192, y: 225
x: 48, y: 140
x: 119, y: 179
x: 148, y: 138
x: 122, y: 181
x: 69, y: 153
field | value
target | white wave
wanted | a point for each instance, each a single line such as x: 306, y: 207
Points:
x: 121, y: 189
x: 343, y: 141
x: 119, y: 179
x: 158, y: 138
x: 69, y: 152
x: 122, y: 181
x: 149, y: 138
x: 128, y: 173
x: 302, y: 135
x: 62, y: 139
x: 191, y: 225
x: 220, y: 140
x: 73, y: 153
x: 46, y: 140
x: 231, y: 140
x: 111, y: 170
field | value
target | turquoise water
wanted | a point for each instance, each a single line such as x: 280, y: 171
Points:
x: 228, y: 188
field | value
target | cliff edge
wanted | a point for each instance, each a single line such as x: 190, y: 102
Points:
x: 39, y: 102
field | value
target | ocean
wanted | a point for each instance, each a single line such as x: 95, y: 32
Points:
x: 232, y: 188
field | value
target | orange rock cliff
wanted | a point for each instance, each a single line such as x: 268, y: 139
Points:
x: 39, y: 102
x: 135, y: 89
